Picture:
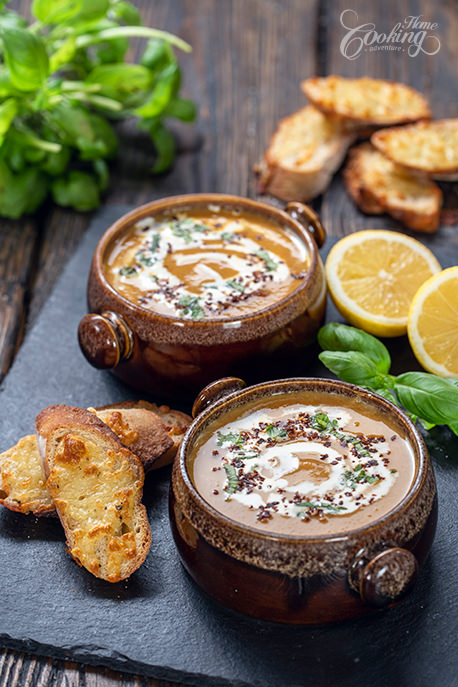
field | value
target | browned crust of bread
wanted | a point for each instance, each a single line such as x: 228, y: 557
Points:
x: 362, y: 196
x: 380, y: 140
x: 59, y: 416
x: 308, y: 87
x: 140, y: 430
x: 31, y: 497
x: 176, y: 423
x: 56, y: 424
x: 280, y: 178
x: 374, y: 200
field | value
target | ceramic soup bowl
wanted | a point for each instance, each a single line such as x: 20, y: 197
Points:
x: 176, y: 355
x: 302, y: 578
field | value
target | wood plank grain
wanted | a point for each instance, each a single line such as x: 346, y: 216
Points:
x: 18, y: 245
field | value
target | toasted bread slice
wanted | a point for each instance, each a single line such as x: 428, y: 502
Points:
x: 303, y: 154
x: 141, y: 431
x: 22, y: 480
x: 176, y: 424
x: 428, y: 147
x: 96, y: 485
x: 366, y: 102
x: 378, y: 185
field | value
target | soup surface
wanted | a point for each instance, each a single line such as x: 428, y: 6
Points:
x: 296, y: 464
x: 211, y: 263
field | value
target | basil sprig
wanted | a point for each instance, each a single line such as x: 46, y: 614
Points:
x: 360, y: 358
x: 63, y: 81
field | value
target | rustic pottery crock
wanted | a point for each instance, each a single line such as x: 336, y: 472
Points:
x: 300, y: 579
x: 176, y: 357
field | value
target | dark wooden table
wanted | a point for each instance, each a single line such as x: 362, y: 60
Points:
x: 248, y: 60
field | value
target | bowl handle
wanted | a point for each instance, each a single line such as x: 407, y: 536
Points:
x: 386, y: 577
x: 105, y: 339
x: 305, y: 215
x: 214, y: 391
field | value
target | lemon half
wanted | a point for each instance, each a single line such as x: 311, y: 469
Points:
x: 373, y: 276
x: 433, y: 324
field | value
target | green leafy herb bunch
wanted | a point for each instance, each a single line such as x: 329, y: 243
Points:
x: 64, y: 81
x: 360, y: 358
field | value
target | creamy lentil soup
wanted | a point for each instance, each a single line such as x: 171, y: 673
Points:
x: 297, y: 464
x: 213, y: 262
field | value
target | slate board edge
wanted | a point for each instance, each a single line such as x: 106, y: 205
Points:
x: 116, y: 661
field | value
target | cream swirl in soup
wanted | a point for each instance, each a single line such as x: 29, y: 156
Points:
x: 301, y: 468
x: 211, y: 263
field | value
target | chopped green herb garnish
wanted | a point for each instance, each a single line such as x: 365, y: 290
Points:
x: 358, y: 477
x: 324, y: 506
x: 235, y: 285
x: 231, y: 438
x: 184, y: 228
x: 155, y: 243
x: 191, y: 306
x: 232, y: 479
x: 276, y: 432
x: 271, y: 265
x: 128, y: 271
x: 247, y: 456
x: 322, y: 423
x: 145, y: 258
x: 228, y: 236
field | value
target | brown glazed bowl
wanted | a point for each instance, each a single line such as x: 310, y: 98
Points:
x: 177, y: 357
x: 302, y: 579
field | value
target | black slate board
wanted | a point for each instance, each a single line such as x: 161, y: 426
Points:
x: 159, y: 623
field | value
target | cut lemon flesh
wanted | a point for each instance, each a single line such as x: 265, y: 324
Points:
x: 373, y: 276
x: 433, y: 324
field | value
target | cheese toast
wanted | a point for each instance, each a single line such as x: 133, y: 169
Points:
x: 378, y: 185
x: 304, y: 152
x: 141, y: 431
x: 428, y: 147
x: 22, y: 480
x: 365, y: 101
x: 96, y: 485
x: 176, y: 423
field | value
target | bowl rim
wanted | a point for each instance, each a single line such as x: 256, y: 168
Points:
x: 168, y: 203
x: 412, y: 433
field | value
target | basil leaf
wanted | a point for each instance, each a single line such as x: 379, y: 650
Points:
x: 25, y: 57
x: 454, y: 427
x: 428, y: 396
x: 103, y: 175
x: 157, y: 54
x: 116, y: 80
x: 77, y: 189
x: 61, y: 11
x: 56, y: 163
x: 353, y: 367
x: 181, y: 109
x: 164, y: 143
x: 55, y: 11
x: 63, y: 54
x: 113, y: 50
x: 341, y: 337
x: 126, y: 12
x: 21, y: 193
x: 164, y: 89
x: 8, y: 110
